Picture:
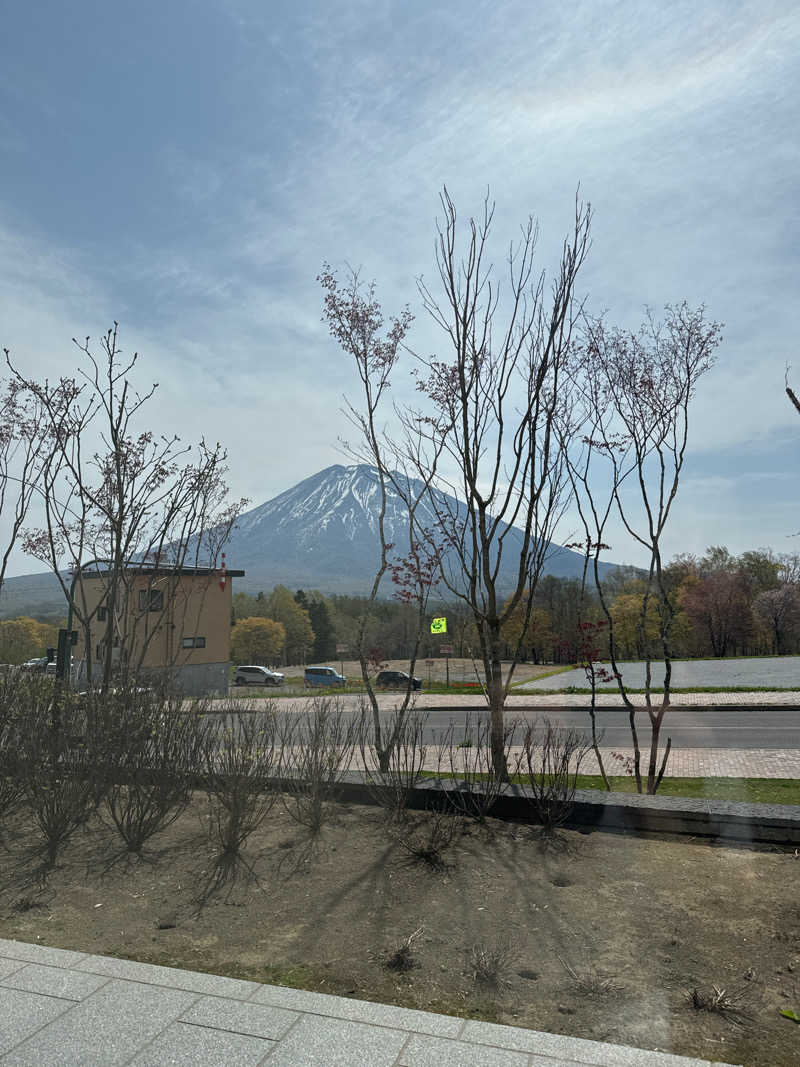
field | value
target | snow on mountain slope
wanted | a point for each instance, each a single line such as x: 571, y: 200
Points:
x: 323, y: 533
x: 320, y: 534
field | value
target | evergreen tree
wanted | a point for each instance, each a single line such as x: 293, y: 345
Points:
x: 324, y: 633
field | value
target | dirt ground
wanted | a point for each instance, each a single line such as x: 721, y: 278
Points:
x: 602, y: 937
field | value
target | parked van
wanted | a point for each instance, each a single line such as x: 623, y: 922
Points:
x: 325, y: 676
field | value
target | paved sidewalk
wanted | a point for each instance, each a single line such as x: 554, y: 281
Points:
x: 532, y: 699
x: 706, y: 762
x: 67, y: 1008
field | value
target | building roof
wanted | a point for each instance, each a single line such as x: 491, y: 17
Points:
x: 151, y: 568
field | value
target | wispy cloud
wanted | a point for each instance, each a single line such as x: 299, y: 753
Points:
x: 268, y: 138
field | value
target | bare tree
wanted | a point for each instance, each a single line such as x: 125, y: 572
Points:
x: 137, y: 507
x: 494, y: 401
x: 632, y: 414
x: 779, y: 611
x: 25, y: 445
x: 356, y: 321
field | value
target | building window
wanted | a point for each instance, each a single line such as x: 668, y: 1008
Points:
x: 102, y: 614
x: 194, y: 642
x: 151, y: 600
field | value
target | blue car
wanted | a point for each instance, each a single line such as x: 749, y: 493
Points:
x: 324, y: 676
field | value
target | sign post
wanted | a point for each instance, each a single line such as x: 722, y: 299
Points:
x: 446, y: 650
x: 66, y: 638
x: 429, y: 664
x: 340, y: 650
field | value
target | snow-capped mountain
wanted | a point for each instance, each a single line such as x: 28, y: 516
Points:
x: 322, y: 534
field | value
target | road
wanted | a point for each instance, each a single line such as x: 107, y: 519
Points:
x: 766, y: 728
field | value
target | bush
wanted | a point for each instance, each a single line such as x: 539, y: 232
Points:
x: 489, y: 964
x: 549, y: 763
x: 391, y: 786
x: 57, y: 772
x: 149, y: 749
x: 428, y: 839
x: 243, y: 760
x: 319, y: 747
x: 11, y: 786
x: 467, y: 755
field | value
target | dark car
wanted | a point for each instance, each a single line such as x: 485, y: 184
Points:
x: 396, y: 680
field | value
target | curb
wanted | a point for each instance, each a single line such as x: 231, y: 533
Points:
x: 713, y: 819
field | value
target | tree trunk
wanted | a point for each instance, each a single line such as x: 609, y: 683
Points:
x: 493, y: 665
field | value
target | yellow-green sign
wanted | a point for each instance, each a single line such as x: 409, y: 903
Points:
x: 439, y: 626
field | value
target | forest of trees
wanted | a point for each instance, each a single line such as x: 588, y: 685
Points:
x: 24, y: 638
x: 725, y: 605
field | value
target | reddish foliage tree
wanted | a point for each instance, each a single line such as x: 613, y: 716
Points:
x: 719, y: 607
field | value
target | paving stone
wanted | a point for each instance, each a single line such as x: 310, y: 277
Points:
x: 106, y: 1029
x: 51, y: 957
x: 439, y: 1052
x: 364, y: 1011
x: 171, y: 977
x: 182, y: 1045
x: 54, y: 981
x: 23, y: 1013
x: 318, y: 1041
x: 574, y: 1049
x: 234, y: 1015
x: 8, y: 967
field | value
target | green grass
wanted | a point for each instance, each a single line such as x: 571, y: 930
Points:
x: 752, y: 790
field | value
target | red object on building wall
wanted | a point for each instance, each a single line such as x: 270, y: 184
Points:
x: 222, y: 574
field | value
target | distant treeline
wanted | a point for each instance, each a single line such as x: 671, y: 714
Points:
x: 723, y: 605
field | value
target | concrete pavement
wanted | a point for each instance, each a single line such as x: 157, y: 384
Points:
x: 66, y: 1008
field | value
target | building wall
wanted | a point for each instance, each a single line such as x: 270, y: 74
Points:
x: 185, y: 608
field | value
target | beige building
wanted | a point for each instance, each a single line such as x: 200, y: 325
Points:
x: 165, y: 621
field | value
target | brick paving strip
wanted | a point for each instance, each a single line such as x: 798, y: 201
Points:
x: 532, y: 699
x: 59, y: 1007
x: 683, y: 762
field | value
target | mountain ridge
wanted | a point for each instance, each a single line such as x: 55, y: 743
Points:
x: 321, y: 533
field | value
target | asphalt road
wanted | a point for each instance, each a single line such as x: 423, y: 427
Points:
x: 760, y: 729
x: 688, y: 729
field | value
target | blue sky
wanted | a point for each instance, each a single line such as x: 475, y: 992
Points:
x: 185, y: 167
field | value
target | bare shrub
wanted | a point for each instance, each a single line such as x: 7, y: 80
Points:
x: 724, y: 1002
x: 319, y: 747
x: 57, y: 773
x: 489, y: 964
x: 243, y: 762
x: 428, y: 839
x: 403, y: 760
x: 11, y: 787
x: 549, y: 764
x: 151, y: 746
x: 469, y: 758
x: 591, y: 982
x: 402, y: 959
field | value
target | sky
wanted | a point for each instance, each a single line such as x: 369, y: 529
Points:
x: 185, y: 168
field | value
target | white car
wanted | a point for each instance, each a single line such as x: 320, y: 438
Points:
x: 257, y: 676
x: 38, y: 666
